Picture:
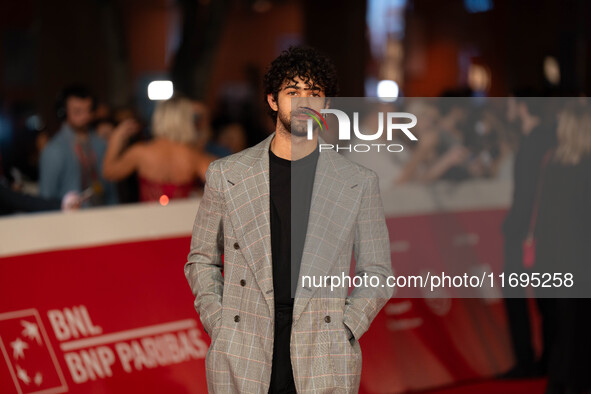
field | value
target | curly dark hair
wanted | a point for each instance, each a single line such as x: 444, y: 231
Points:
x: 304, y: 62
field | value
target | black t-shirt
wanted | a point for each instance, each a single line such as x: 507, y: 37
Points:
x: 289, y: 219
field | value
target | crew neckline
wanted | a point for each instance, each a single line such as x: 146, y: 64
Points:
x: 306, y: 160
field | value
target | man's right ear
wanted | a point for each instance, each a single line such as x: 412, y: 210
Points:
x: 272, y: 102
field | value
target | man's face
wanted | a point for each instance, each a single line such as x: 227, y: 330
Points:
x: 79, y: 112
x: 296, y: 122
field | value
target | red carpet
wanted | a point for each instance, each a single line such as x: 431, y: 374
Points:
x: 495, y: 387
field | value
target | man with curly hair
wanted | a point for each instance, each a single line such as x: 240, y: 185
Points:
x: 279, y: 212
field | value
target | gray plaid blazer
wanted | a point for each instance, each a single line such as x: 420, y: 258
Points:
x: 234, y: 298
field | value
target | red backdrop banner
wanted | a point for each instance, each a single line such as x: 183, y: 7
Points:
x: 119, y: 317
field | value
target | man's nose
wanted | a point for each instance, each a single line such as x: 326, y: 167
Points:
x: 303, y: 100
x: 307, y: 100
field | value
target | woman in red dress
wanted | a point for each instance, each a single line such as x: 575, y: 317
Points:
x: 169, y: 165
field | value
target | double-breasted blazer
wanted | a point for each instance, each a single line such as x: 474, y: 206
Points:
x: 234, y: 295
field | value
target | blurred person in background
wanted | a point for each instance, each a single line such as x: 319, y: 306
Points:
x: 127, y: 188
x: 12, y: 201
x: 424, y: 152
x: 563, y: 235
x: 103, y: 122
x: 206, y: 140
x: 71, y: 160
x: 20, y: 126
x: 460, y: 141
x: 481, y: 133
x: 442, y: 150
x: 6, y: 137
x: 497, y: 146
x: 230, y: 134
x: 233, y: 137
x: 485, y: 145
x: 450, y: 147
x: 467, y: 141
x: 122, y: 113
x: 104, y: 128
x: 526, y: 112
x: 168, y: 165
x: 387, y: 165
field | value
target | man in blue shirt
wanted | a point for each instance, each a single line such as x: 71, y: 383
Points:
x: 72, y: 160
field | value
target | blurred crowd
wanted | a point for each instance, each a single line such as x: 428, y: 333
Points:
x: 102, y: 155
x: 459, y: 138
x: 547, y: 230
x: 542, y: 145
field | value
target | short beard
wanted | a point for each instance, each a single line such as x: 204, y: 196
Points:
x: 300, y: 128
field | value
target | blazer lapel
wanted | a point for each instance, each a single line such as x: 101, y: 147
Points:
x: 249, y: 211
x: 335, y: 195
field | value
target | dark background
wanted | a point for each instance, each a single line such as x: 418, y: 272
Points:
x: 217, y: 50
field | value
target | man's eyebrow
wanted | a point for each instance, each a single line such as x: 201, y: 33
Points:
x: 297, y: 87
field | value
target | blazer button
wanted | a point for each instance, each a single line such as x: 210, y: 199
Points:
x: 236, y: 318
x: 236, y: 246
x: 327, y: 319
x: 242, y: 282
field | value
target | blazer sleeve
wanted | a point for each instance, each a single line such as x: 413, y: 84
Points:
x: 204, y: 267
x: 372, y: 258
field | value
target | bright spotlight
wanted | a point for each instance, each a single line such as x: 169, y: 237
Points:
x: 388, y: 90
x: 160, y: 90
